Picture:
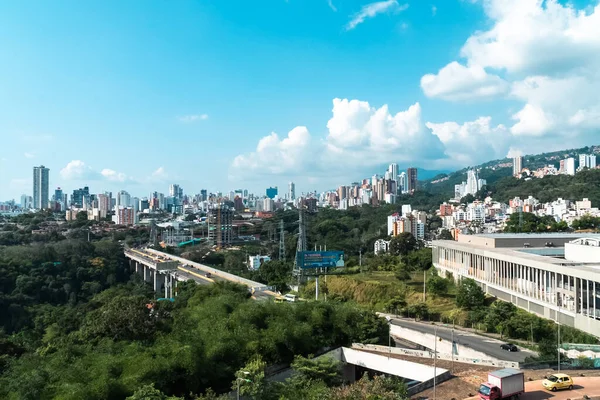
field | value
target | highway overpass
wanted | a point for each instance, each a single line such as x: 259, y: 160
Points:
x: 165, y: 270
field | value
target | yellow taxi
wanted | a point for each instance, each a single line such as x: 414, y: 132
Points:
x: 558, y: 381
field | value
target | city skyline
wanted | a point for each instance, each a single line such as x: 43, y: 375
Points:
x: 302, y: 91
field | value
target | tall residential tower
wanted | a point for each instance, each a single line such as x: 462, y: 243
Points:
x: 41, y: 187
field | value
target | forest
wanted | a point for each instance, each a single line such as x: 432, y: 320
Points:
x: 79, y: 325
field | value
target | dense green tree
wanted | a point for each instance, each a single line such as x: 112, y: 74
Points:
x: 276, y: 273
x: 445, y: 235
x: 586, y: 222
x: 436, y: 285
x: 419, y: 260
x: 323, y: 369
x: 403, y: 244
x: 469, y: 294
x: 149, y: 392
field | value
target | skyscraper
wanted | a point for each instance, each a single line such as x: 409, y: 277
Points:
x: 174, y: 190
x: 403, y: 182
x: 393, y: 170
x: 77, y: 198
x: 517, y: 166
x: 411, y: 177
x: 272, y: 192
x: 291, y: 191
x: 41, y: 185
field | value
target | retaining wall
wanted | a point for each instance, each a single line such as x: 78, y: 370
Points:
x: 440, y: 356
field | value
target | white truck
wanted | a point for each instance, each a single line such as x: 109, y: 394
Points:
x: 507, y: 383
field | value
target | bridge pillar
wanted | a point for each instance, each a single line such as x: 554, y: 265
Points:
x: 137, y: 267
x: 146, y: 273
x: 156, y: 287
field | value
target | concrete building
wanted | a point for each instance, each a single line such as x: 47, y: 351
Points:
x: 104, y: 202
x: 381, y: 246
x: 554, y: 275
x: 402, y: 183
x: 254, y: 262
x: 391, y: 220
x: 587, y: 161
x: 271, y: 192
x: 41, y: 187
x: 291, y: 191
x: 517, y: 166
x: 124, y: 216
x: 411, y: 177
x: 569, y: 166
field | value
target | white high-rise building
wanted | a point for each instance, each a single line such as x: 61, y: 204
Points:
x: 570, y: 166
x: 403, y: 182
x: 517, y: 166
x: 393, y: 171
x: 123, y: 199
x: 291, y: 191
x: 472, y: 182
x: 174, y: 190
x: 41, y: 187
x: 587, y: 161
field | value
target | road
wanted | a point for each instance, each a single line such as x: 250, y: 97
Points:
x: 589, y: 386
x: 483, y: 344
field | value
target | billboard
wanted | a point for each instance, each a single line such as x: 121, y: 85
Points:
x: 320, y: 259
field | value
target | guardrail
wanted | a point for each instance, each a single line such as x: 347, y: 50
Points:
x: 257, y: 286
x: 440, y: 356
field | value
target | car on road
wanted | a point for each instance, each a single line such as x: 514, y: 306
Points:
x: 558, y: 381
x: 509, y: 347
x: 208, y: 275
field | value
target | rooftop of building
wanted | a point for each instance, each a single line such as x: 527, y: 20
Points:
x: 548, y: 235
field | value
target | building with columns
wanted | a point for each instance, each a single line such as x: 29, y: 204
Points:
x: 554, y: 275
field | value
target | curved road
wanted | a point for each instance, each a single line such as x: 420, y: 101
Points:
x: 480, y: 343
x: 534, y: 390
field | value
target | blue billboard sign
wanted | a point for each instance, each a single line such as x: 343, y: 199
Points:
x: 320, y: 259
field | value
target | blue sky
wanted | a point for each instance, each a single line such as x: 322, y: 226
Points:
x: 136, y: 95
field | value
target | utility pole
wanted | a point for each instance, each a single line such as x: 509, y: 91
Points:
x: 424, y: 279
x: 558, y: 347
x: 434, y: 361
x: 281, y: 242
x: 360, y: 258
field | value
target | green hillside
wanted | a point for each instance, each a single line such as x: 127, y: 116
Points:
x: 582, y: 184
x: 495, y: 170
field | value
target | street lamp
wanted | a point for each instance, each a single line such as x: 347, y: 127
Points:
x: 239, y: 379
x: 389, y: 320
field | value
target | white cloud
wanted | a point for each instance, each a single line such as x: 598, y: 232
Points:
x: 372, y: 9
x: 433, y: 10
x: 359, y: 136
x: 533, y: 35
x: 193, y: 118
x: 114, y: 176
x: 29, y: 155
x: 159, y: 174
x: 473, y: 141
x: 78, y: 170
x: 512, y: 152
x: 275, y: 156
x: 543, y: 54
x: 330, y: 4
x: 457, y: 82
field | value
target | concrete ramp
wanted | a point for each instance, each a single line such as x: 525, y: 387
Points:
x: 392, y: 366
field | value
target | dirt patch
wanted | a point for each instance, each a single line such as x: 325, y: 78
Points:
x: 467, y: 377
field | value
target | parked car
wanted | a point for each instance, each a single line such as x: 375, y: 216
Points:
x: 558, y: 381
x: 509, y: 347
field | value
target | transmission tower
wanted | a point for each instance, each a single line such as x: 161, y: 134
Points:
x: 281, y: 241
x: 301, y: 243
